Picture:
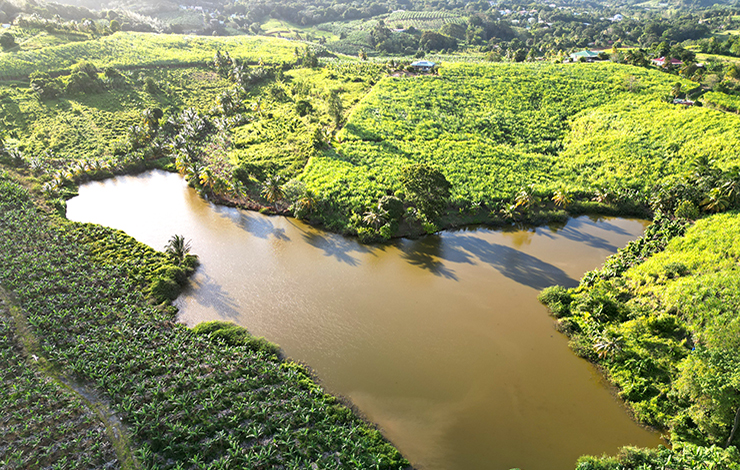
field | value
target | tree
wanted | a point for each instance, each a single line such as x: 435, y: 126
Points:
x: 150, y: 118
x: 7, y: 41
x: 44, y: 85
x: 178, y: 249
x: 526, y: 198
x: 433, y: 41
x: 336, y: 109
x: 710, y: 379
x: 375, y: 218
x: 272, y: 189
x: 84, y: 79
x: 562, y: 197
x: 427, y: 188
x: 716, y: 201
x: 227, y: 102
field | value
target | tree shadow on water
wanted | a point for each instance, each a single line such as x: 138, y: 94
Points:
x: 336, y: 246
x: 210, y: 294
x: 261, y: 226
x: 516, y: 265
x: 575, y: 230
x: 428, y: 253
x: 576, y: 235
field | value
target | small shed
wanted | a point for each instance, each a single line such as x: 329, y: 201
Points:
x: 423, y: 65
x: 588, y: 55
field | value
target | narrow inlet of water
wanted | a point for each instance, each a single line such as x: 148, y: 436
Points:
x: 440, y: 341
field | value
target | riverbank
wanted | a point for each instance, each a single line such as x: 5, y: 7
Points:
x: 182, y: 396
x: 660, y: 319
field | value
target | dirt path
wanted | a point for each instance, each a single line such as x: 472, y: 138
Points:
x: 32, y: 351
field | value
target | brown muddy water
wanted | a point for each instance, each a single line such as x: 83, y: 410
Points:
x: 440, y: 341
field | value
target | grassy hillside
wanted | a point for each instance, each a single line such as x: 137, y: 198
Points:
x: 666, y: 330
x: 496, y: 129
x: 128, y: 49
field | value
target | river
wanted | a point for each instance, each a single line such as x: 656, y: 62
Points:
x: 440, y: 341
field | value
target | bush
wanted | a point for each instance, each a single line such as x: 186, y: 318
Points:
x: 165, y: 289
x: 150, y: 86
x: 557, y: 299
x: 7, y: 41
x: 45, y: 86
x: 235, y: 335
x: 687, y: 210
x: 175, y: 273
x: 393, y: 206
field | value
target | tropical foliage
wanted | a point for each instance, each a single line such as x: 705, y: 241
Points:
x: 127, y: 49
x: 661, y: 318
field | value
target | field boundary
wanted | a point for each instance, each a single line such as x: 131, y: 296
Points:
x: 29, y: 343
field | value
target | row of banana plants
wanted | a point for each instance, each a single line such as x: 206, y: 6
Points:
x: 191, y: 399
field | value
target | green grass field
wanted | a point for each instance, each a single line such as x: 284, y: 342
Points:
x: 275, y: 27
x: 126, y: 49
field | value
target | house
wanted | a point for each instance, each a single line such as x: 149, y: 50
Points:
x: 423, y: 65
x: 662, y: 62
x: 589, y: 56
x: 683, y: 102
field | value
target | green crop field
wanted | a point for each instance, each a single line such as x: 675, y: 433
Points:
x: 722, y: 101
x: 186, y: 396
x: 422, y: 20
x: 87, y: 127
x: 125, y: 49
x: 493, y: 129
x: 43, y: 422
x: 284, y: 29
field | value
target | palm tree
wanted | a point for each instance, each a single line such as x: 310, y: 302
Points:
x: 305, y: 204
x: 716, y: 201
x: 272, y: 189
x: 227, y: 102
x: 207, y: 179
x: 375, y: 219
x: 562, y: 197
x: 607, y: 345
x: 526, y: 198
x: 603, y: 196
x: 178, y: 249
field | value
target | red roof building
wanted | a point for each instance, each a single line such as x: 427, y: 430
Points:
x: 660, y: 62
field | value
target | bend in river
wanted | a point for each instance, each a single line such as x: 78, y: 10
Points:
x: 440, y: 341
